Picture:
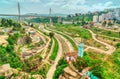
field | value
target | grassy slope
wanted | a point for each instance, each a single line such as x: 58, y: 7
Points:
x: 112, y: 62
x: 77, y: 32
x: 55, y: 50
x: 105, y: 32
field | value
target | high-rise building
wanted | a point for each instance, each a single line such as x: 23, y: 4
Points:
x: 95, y: 18
x: 102, y: 17
x: 110, y: 15
x: 117, y: 13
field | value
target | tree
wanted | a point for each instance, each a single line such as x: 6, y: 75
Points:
x: 6, y: 24
x: 31, y: 25
x: 62, y: 61
x: 80, y: 63
x: 16, y: 36
x: 10, y: 23
x: 69, y: 16
x: 73, y: 22
x: 110, y: 24
x: 78, y: 22
x: 118, y: 45
x: 119, y: 34
x: 9, y: 48
x: 59, y: 71
x: 2, y: 77
x: 10, y: 40
x: 3, y: 21
x: 83, y: 23
x: 114, y: 20
x: 99, y: 71
x: 51, y: 34
x: 28, y: 39
x: 76, y: 14
x: 104, y: 23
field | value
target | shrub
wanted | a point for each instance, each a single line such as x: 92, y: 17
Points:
x: 118, y: 45
x: 2, y: 77
x: 55, y: 50
x: 59, y: 71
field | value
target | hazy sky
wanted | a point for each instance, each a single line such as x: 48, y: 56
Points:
x: 58, y: 6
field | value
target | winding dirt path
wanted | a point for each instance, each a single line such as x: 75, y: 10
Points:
x: 39, y: 34
x: 111, y: 48
x: 51, y: 50
x: 43, y: 54
x: 64, y: 46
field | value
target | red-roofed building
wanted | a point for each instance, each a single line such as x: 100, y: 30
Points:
x: 71, y: 56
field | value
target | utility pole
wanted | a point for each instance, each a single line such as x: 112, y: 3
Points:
x: 19, y: 15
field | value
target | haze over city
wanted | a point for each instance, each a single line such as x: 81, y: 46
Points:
x: 58, y: 6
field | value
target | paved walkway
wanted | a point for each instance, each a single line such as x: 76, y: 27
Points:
x: 53, y: 67
x: 64, y: 46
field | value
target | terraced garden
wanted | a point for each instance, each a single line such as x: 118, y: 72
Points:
x: 64, y: 41
x: 105, y: 32
x: 67, y: 37
x: 77, y: 33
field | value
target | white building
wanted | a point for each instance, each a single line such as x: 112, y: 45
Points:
x: 108, y: 16
x: 111, y: 15
x: 117, y: 13
x: 102, y: 17
x: 95, y: 18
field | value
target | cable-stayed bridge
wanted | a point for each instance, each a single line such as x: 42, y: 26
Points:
x: 20, y: 16
x: 26, y: 15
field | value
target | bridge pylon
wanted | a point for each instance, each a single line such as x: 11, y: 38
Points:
x: 19, y: 12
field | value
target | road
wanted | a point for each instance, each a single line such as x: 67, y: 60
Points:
x: 53, y: 66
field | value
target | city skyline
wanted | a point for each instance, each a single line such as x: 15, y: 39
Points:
x: 58, y: 6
